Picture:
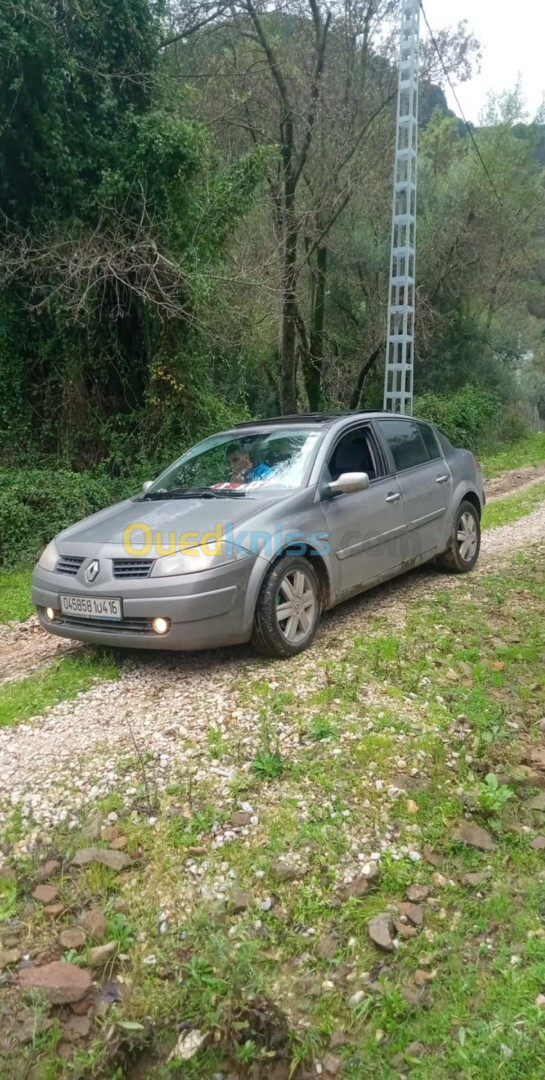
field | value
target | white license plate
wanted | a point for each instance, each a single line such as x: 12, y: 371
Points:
x: 92, y: 607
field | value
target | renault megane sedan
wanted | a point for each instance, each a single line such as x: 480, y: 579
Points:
x: 255, y: 531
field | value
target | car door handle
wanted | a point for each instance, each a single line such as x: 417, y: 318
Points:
x: 442, y: 479
x: 394, y: 496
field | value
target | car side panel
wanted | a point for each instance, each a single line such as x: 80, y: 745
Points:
x: 427, y: 494
x: 466, y: 480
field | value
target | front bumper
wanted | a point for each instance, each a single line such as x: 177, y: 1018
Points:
x: 205, y: 610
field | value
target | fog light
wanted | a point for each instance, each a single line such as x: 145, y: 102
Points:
x: 50, y: 614
x: 161, y: 625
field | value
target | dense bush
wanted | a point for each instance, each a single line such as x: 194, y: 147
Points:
x: 470, y: 418
x: 35, y: 504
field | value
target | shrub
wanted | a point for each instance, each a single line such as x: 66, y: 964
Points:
x: 35, y: 504
x: 469, y: 418
x: 513, y: 424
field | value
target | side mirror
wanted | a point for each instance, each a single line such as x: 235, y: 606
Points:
x: 146, y: 486
x: 347, y: 482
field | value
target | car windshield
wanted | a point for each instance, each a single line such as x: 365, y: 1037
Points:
x: 240, y: 464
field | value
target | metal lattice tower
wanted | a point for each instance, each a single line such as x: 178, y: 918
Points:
x: 398, y: 375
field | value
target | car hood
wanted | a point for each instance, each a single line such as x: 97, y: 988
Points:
x: 165, y: 516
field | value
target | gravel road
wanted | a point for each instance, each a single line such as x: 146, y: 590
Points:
x: 163, y: 705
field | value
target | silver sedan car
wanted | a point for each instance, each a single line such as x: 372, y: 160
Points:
x: 257, y: 530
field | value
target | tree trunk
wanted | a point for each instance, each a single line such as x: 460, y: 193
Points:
x: 366, y: 367
x: 288, y: 390
x: 313, y: 369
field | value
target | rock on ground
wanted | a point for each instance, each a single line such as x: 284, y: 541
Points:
x: 61, y: 983
x: 381, y: 931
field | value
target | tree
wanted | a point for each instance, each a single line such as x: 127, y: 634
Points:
x: 105, y: 233
x: 317, y: 88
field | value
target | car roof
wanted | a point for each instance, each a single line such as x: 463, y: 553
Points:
x: 310, y: 418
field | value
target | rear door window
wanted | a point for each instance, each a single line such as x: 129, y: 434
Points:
x: 430, y: 440
x: 405, y: 442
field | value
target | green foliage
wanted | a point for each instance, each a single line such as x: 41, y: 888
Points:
x: 125, y: 335
x: 513, y: 507
x: 117, y: 209
x: 15, y: 600
x: 37, y: 504
x: 121, y: 930
x: 65, y: 104
x: 268, y: 765
x: 8, y: 899
x: 321, y: 727
x: 527, y: 451
x: 491, y: 795
x: 468, y: 418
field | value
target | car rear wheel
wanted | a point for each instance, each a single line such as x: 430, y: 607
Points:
x: 288, y: 608
x: 465, y: 541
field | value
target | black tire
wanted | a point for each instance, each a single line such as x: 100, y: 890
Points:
x: 268, y: 636
x: 453, y: 559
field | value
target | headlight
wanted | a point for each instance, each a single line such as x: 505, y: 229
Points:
x: 49, y: 557
x: 194, y: 560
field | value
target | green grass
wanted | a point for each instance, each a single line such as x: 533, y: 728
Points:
x: 433, y: 707
x: 15, y: 602
x: 513, y: 507
x: 61, y: 681
x: 528, y: 451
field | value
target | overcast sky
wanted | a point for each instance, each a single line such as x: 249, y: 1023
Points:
x: 512, y: 37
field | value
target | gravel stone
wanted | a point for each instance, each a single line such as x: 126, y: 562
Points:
x: 413, y: 912
x: 9, y: 956
x: 381, y: 931
x: 240, y: 899
x: 57, y: 766
x: 95, y: 923
x: 72, y: 938
x: 475, y: 836
x: 418, y: 893
x: 100, y: 954
x: 48, y: 869
x: 116, y: 860
x: 46, y: 894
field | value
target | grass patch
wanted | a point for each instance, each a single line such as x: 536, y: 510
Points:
x: 528, y: 451
x: 61, y: 681
x: 248, y: 933
x: 513, y: 507
x: 15, y: 602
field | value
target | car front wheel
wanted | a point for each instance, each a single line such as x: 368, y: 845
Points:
x: 465, y: 541
x: 288, y: 608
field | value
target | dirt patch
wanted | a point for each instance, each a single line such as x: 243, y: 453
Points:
x: 514, y: 481
x: 25, y: 648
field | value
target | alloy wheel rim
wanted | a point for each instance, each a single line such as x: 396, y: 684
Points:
x: 296, y: 605
x: 467, y: 536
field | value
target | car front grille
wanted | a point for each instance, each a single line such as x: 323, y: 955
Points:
x: 131, y: 568
x: 69, y: 564
x: 108, y: 626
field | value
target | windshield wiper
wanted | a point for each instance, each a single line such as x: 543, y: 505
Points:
x: 196, y: 493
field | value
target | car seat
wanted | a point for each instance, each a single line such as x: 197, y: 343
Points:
x: 352, y: 455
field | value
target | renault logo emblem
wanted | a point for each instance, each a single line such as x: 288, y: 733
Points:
x: 92, y: 571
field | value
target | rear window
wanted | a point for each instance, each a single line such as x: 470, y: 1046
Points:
x: 445, y: 443
x: 430, y: 441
